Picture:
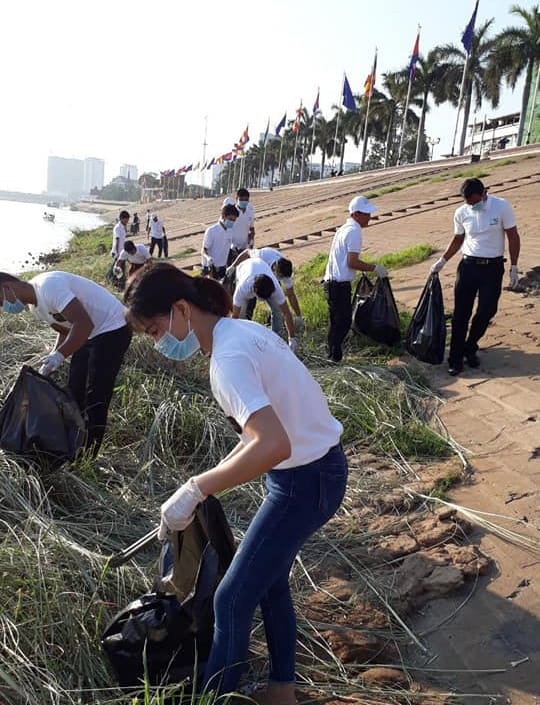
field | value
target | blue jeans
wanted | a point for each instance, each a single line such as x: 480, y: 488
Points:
x: 299, y: 501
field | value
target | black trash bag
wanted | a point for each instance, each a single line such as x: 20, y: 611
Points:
x: 167, y: 634
x: 378, y: 317
x: 40, y: 419
x: 426, y: 335
x: 361, y: 303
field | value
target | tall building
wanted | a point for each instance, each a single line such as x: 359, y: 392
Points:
x: 129, y: 171
x: 94, y: 174
x: 65, y: 177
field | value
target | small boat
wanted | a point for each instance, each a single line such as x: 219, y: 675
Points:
x: 49, y: 217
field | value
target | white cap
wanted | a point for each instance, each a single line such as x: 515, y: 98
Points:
x: 361, y: 204
x: 229, y: 201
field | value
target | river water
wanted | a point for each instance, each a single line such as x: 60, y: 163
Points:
x: 24, y: 234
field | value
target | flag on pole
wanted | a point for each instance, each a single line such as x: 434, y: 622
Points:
x: 370, y: 80
x: 348, y: 98
x: 281, y: 124
x: 228, y: 157
x: 189, y: 168
x: 197, y: 166
x: 296, y: 124
x: 266, y: 132
x: 316, y: 103
x: 414, y: 58
x: 245, y: 136
x: 211, y: 163
x: 468, y: 34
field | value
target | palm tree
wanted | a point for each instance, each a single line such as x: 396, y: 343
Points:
x: 437, y: 78
x: 517, y: 50
x: 391, y: 108
x: 480, y: 81
x: 325, y: 131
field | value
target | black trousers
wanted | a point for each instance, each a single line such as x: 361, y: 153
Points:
x: 338, y: 296
x: 214, y: 272
x: 159, y: 242
x: 473, y: 279
x: 92, y: 374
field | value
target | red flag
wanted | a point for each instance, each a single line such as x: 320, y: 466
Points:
x: 370, y: 80
x: 296, y: 125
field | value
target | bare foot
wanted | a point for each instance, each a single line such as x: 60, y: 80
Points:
x: 276, y: 694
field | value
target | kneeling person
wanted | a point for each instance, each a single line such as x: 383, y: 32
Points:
x: 136, y: 255
x: 254, y: 278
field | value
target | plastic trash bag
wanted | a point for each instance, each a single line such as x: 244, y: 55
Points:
x: 39, y: 418
x: 426, y: 335
x: 378, y: 317
x: 361, y: 302
x: 168, y: 633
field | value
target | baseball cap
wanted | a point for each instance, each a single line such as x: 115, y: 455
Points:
x: 229, y: 201
x: 361, y: 204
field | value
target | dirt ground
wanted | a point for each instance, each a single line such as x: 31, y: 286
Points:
x: 491, y: 645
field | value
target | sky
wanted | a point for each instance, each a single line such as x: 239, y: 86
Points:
x: 131, y: 81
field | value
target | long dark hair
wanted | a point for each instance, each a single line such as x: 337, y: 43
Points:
x: 155, y: 288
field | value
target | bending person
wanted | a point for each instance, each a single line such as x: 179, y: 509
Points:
x: 92, y: 330
x: 292, y: 437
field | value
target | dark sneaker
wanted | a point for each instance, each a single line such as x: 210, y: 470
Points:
x: 472, y: 360
x: 455, y: 370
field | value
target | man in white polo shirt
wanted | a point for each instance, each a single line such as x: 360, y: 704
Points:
x: 157, y: 235
x: 136, y: 255
x: 343, y: 262
x: 254, y: 278
x: 480, y: 225
x: 119, y: 234
x: 217, y: 243
x: 243, y: 233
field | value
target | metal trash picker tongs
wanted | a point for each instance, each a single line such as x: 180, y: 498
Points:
x: 126, y: 554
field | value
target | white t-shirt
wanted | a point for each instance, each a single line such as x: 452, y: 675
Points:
x: 245, y: 277
x: 271, y: 256
x: 251, y: 368
x: 217, y: 241
x: 119, y: 233
x: 347, y: 239
x: 55, y: 290
x: 484, y: 228
x: 240, y: 231
x: 140, y: 256
x: 156, y: 229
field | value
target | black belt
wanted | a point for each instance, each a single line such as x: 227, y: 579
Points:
x: 483, y: 260
x: 336, y: 283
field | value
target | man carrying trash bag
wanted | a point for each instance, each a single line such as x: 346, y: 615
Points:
x: 343, y: 262
x: 91, y: 328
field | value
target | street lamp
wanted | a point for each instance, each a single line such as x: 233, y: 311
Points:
x: 432, y: 141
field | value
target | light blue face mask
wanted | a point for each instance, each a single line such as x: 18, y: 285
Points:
x: 228, y: 224
x: 243, y: 204
x: 169, y: 346
x: 16, y: 306
x: 478, y: 206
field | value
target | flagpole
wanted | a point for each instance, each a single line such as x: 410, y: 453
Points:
x: 533, y: 104
x: 280, y: 155
x: 460, y: 101
x: 337, y: 123
x: 264, y: 152
x: 364, y: 140
x: 204, y: 152
x: 312, y: 139
x: 294, y: 154
x: 482, y: 137
x: 402, y: 136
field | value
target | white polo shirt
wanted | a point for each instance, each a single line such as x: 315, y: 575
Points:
x: 140, y: 256
x: 251, y: 368
x: 246, y: 272
x: 217, y: 242
x: 156, y: 229
x: 55, y: 290
x: 119, y: 233
x: 347, y: 239
x: 271, y: 256
x: 484, y: 228
x: 240, y: 232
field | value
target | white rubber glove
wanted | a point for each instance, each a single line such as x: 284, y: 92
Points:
x: 514, y: 276
x: 118, y: 272
x: 293, y: 345
x: 178, y: 511
x: 298, y: 324
x: 209, y: 261
x: 380, y: 271
x: 51, y: 363
x: 437, y: 266
x: 230, y: 271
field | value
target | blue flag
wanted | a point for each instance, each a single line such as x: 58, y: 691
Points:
x: 281, y: 124
x: 348, y: 98
x: 468, y: 34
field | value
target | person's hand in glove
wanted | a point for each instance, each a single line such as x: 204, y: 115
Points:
x: 118, y: 272
x: 299, y: 324
x: 51, y: 363
x: 437, y: 266
x: 380, y: 271
x: 230, y: 271
x: 514, y: 276
x: 293, y: 345
x: 178, y: 511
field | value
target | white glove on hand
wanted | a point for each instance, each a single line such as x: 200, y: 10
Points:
x: 51, y: 363
x: 437, y: 266
x: 514, y: 276
x: 230, y: 271
x: 298, y: 324
x: 118, y: 272
x: 380, y: 271
x: 293, y: 345
x: 177, y: 512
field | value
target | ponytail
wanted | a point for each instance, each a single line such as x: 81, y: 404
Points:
x: 154, y: 289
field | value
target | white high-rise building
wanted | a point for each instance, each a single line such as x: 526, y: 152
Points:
x: 94, y: 174
x: 65, y: 176
x: 129, y: 171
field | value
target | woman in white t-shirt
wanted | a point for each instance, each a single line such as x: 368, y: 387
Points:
x: 92, y: 330
x: 290, y: 436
